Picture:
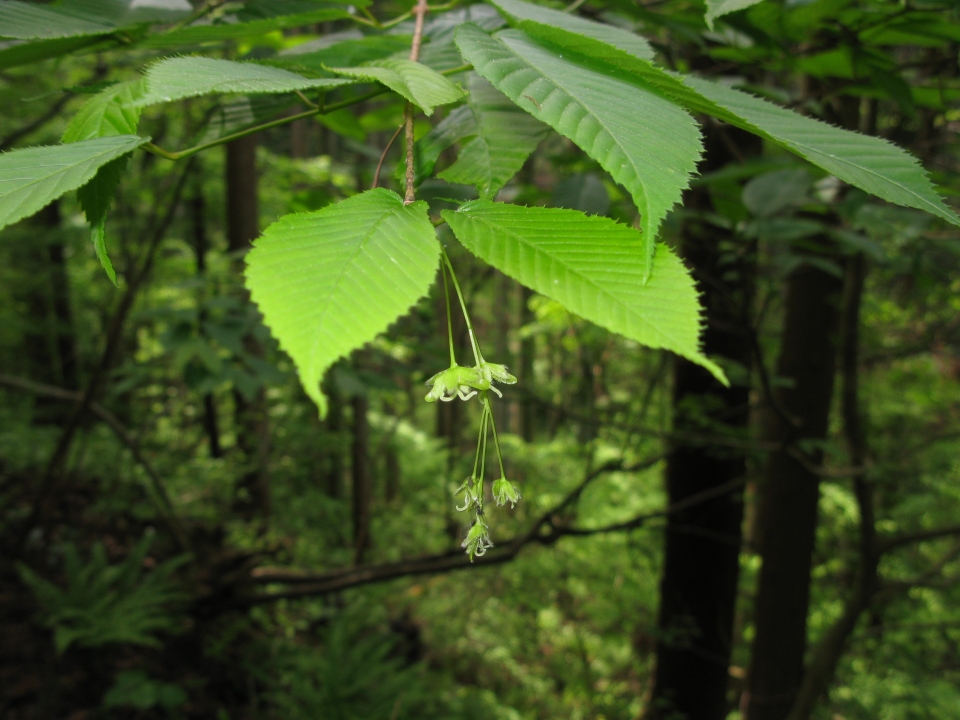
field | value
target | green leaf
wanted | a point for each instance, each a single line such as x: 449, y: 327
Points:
x: 33, y: 177
x: 107, y: 113
x: 31, y: 52
x: 872, y: 164
x: 647, y: 143
x: 594, y: 267
x: 200, y: 34
x: 95, y: 198
x: 718, y: 8
x: 354, y: 51
x: 30, y: 21
x: 329, y: 281
x: 505, y: 137
x: 414, y: 81
x: 459, y: 125
x: 521, y: 14
x: 178, y: 78
x: 440, y: 52
x: 869, y: 163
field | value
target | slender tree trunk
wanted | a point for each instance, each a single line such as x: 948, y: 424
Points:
x: 49, y: 338
x: 64, y: 331
x: 822, y: 666
x: 790, y: 490
x: 702, y: 555
x: 250, y: 414
x: 391, y: 473
x: 528, y: 352
x: 360, y: 475
x: 503, y: 321
x: 334, y: 426
x: 201, y: 244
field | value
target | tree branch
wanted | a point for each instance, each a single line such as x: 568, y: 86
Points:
x: 313, y: 584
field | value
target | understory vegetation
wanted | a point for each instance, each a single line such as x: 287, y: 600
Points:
x: 480, y: 361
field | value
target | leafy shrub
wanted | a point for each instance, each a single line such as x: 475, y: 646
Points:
x: 105, y: 603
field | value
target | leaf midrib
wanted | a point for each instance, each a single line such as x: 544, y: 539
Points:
x: 636, y: 171
x: 336, y: 284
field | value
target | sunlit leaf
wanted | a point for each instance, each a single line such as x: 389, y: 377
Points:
x: 328, y: 282
x: 591, y: 265
x: 424, y: 87
x: 646, y: 142
x: 33, y: 177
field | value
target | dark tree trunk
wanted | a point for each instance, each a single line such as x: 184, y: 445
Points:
x: 790, y: 489
x: 50, y: 344
x: 528, y: 351
x: 201, y: 244
x: 250, y: 414
x: 391, y: 473
x: 334, y: 476
x: 360, y: 475
x: 701, y: 563
x: 64, y: 331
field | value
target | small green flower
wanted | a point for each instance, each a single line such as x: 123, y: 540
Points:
x: 472, y: 491
x: 505, y: 492
x: 492, y: 372
x: 477, y: 541
x: 453, y: 383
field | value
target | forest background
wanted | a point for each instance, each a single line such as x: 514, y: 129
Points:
x: 183, y: 536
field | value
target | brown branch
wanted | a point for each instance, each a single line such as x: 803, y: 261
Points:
x: 897, y: 541
x: 51, y: 391
x: 419, y: 13
x: 383, y: 156
x: 313, y: 584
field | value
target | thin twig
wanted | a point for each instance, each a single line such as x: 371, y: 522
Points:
x: 383, y: 156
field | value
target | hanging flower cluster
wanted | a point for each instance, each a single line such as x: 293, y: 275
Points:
x: 465, y: 383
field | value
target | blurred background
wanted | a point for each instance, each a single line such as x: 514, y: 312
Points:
x: 195, y: 542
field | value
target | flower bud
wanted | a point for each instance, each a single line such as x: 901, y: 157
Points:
x: 505, y: 491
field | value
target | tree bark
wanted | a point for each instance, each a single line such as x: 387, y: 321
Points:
x: 360, y: 475
x: 201, y: 244
x: 49, y: 338
x: 790, y: 490
x: 250, y: 415
x: 822, y: 666
x: 334, y: 476
x: 528, y: 352
x: 702, y: 555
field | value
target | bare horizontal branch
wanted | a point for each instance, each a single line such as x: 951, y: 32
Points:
x: 545, y: 531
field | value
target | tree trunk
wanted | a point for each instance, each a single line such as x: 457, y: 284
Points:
x: 360, y: 475
x: 391, y: 473
x: 201, y: 244
x: 822, y: 666
x: 528, y: 352
x: 702, y: 555
x: 790, y: 489
x: 334, y: 477
x: 50, y: 347
x: 250, y: 414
